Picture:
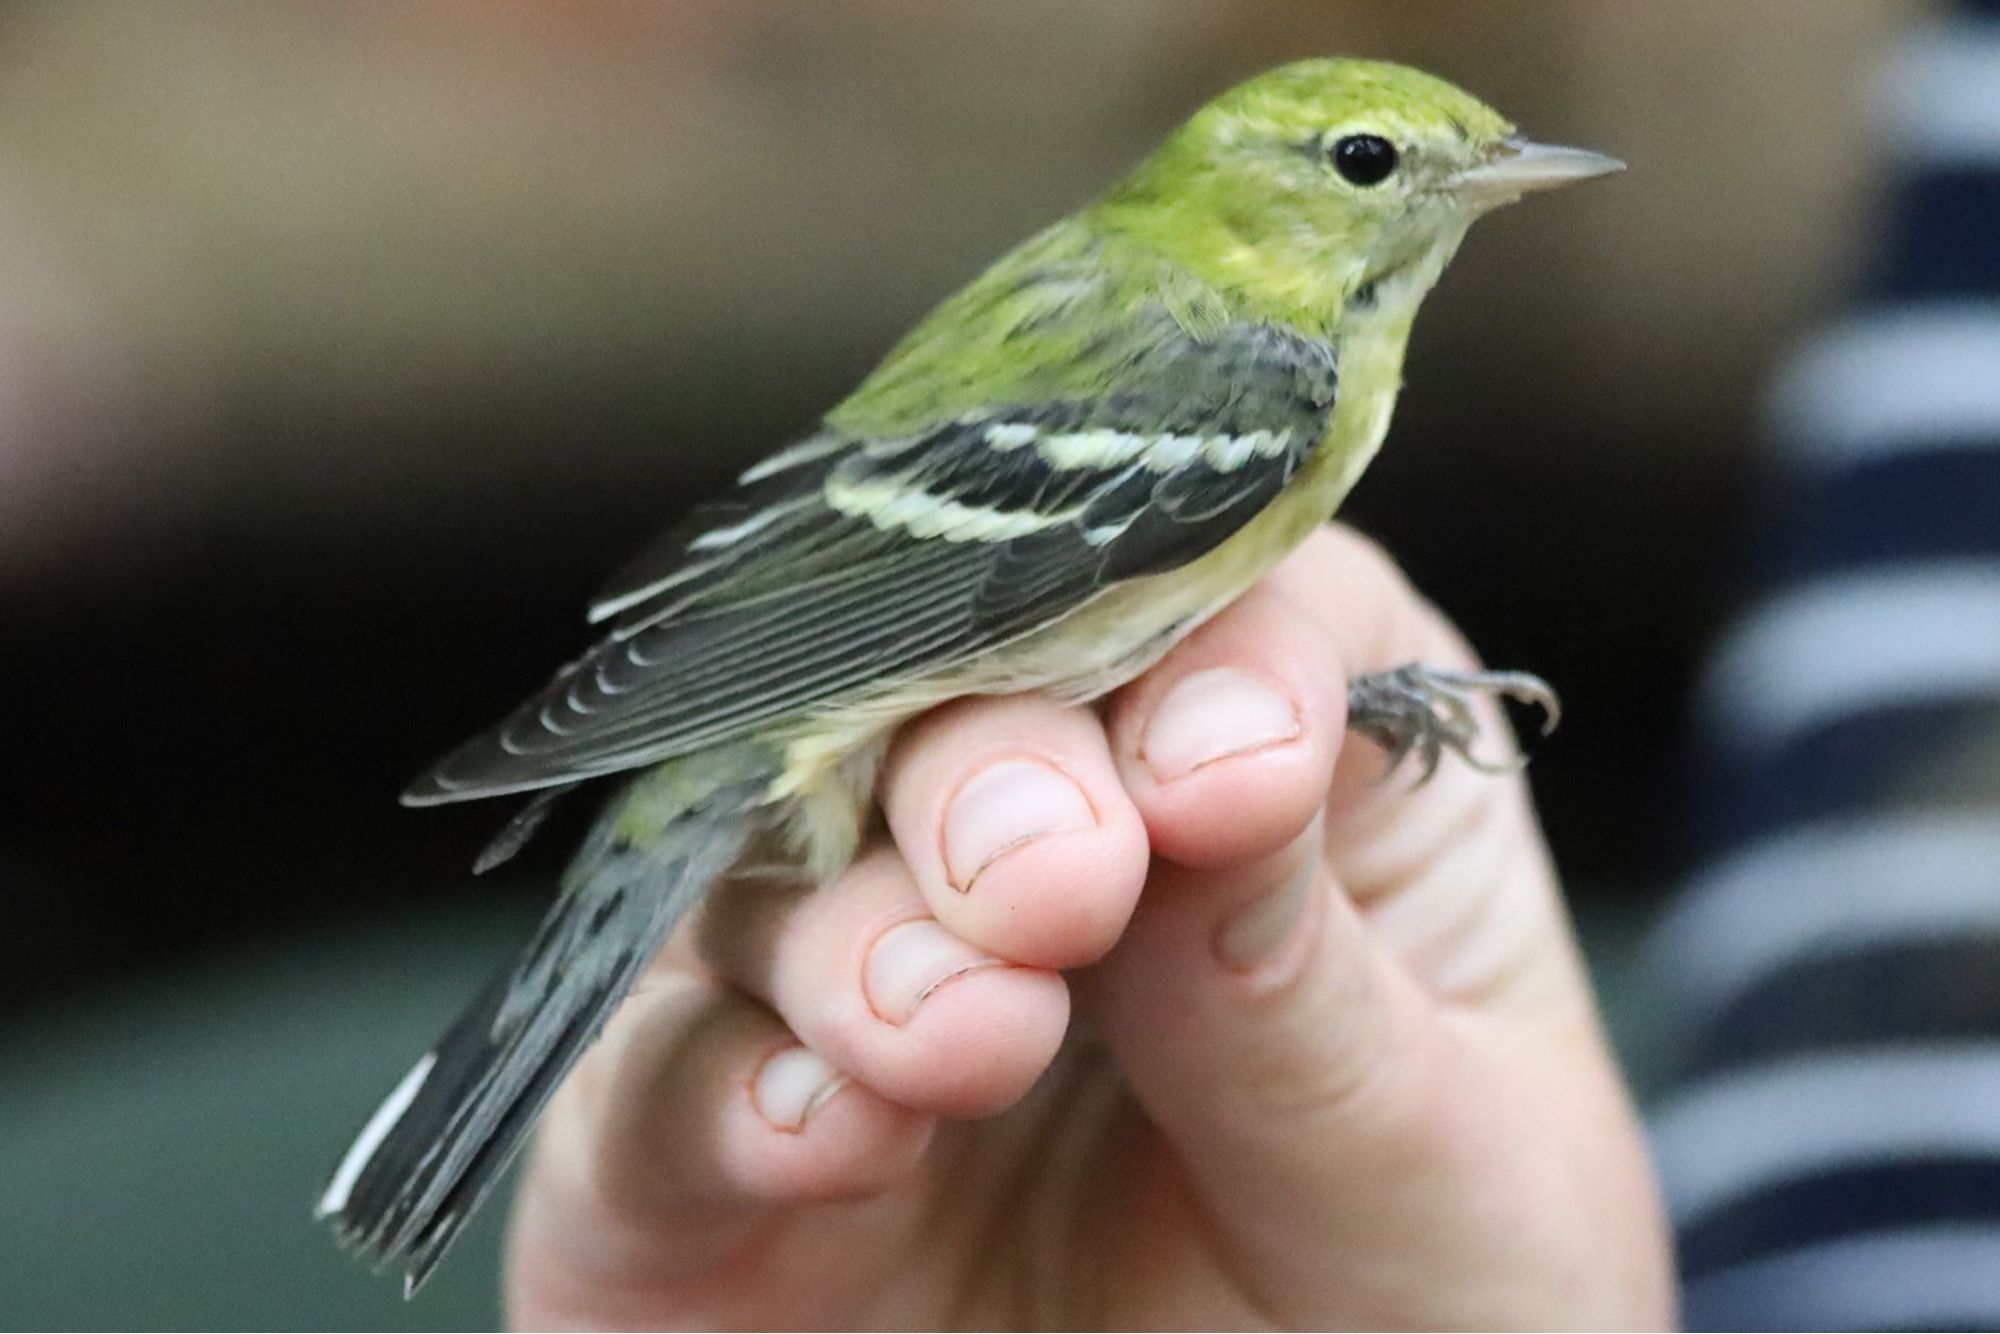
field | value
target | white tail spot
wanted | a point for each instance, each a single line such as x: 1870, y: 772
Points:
x: 371, y: 1137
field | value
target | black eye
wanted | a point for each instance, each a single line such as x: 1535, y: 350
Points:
x: 1364, y: 159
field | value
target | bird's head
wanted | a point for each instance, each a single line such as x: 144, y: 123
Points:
x: 1330, y: 184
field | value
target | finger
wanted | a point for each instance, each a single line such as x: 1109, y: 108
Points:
x: 1228, y: 744
x: 1452, y: 874
x: 892, y: 998
x: 1260, y: 1012
x: 693, y: 1117
x: 1273, y: 1045
x: 1016, y: 829
x: 1355, y: 601
x: 1252, y: 709
x: 1310, y: 1087
x: 1257, y: 983
x: 1249, y: 980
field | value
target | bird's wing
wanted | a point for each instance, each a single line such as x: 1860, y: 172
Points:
x: 848, y: 562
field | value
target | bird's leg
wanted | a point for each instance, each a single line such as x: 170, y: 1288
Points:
x: 1425, y: 711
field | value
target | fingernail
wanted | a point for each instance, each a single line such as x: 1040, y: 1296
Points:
x: 1004, y: 806
x: 910, y: 962
x: 1256, y: 933
x: 793, y: 1084
x: 1212, y: 715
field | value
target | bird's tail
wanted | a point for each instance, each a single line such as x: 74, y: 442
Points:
x: 428, y: 1156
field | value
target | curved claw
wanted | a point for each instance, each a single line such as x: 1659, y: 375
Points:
x: 1428, y: 710
x: 1521, y: 687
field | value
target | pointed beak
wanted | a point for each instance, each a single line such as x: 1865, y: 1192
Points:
x: 1520, y: 166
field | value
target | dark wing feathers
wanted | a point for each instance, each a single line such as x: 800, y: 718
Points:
x: 814, y: 580
x: 1194, y: 509
x: 781, y: 501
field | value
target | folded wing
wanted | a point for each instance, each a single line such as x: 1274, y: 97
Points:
x: 844, y: 563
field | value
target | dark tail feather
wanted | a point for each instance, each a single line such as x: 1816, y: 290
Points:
x: 427, y: 1158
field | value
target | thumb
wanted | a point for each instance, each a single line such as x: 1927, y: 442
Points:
x: 1283, y: 1053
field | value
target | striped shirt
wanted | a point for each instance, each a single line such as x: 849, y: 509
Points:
x: 1830, y: 977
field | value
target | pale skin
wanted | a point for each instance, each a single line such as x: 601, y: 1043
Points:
x: 1241, y: 1037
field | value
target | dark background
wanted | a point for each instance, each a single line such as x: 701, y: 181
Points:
x: 347, y: 346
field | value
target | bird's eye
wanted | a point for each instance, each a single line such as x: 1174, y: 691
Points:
x: 1363, y: 159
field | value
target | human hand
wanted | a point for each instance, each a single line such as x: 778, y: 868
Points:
x: 1340, y: 1068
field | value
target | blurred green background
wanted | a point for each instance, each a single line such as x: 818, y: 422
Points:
x: 345, y: 346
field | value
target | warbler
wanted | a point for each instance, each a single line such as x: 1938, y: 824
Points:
x: 1065, y: 468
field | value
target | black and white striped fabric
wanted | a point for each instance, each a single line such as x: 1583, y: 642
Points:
x: 1831, y: 1151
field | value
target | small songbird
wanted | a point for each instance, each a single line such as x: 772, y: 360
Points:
x: 1070, y: 464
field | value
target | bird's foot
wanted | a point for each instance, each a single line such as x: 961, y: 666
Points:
x: 1425, y: 711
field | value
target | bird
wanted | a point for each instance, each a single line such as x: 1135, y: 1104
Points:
x: 1090, y: 449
